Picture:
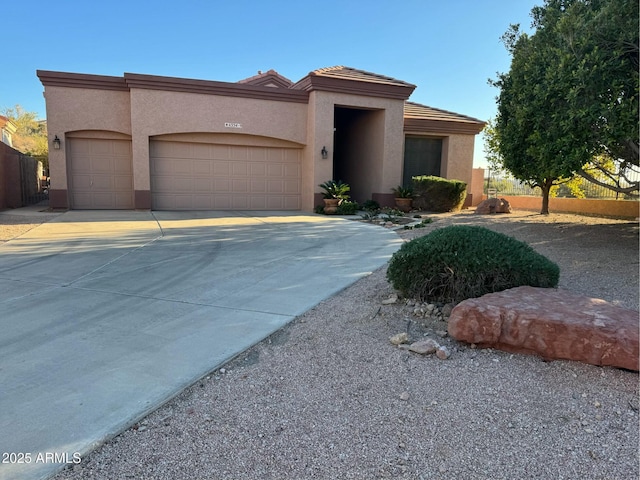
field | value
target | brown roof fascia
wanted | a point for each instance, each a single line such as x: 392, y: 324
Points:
x: 355, y: 87
x: 420, y: 118
x: 421, y: 125
x: 81, y: 80
x: 208, y: 87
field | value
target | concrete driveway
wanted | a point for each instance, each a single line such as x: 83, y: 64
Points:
x: 106, y: 315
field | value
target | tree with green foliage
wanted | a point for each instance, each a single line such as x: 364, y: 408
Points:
x: 571, y: 94
x: 31, y: 134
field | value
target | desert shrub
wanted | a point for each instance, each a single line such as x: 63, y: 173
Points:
x: 371, y: 206
x: 437, y: 194
x: 454, y: 263
x: 347, y: 207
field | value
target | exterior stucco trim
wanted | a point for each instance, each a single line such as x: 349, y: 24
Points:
x: 81, y: 80
x: 354, y: 87
x: 151, y: 82
x: 420, y: 126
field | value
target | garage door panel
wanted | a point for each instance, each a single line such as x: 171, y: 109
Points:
x: 161, y: 166
x: 221, y: 168
x: 258, y: 169
x: 100, y: 173
x: 104, y: 200
x: 81, y: 182
x: 212, y: 176
x: 122, y: 183
x: 182, y: 184
x: 291, y: 187
x: 275, y: 186
x: 222, y: 185
x: 238, y: 153
x: 240, y: 168
x: 103, y: 183
x: 202, y: 167
x: 275, y: 171
x: 121, y: 165
x: 202, y: 184
x: 239, y: 185
x: 258, y: 186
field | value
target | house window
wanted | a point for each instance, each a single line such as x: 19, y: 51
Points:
x: 422, y: 156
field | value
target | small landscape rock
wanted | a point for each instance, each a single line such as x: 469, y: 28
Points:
x: 424, y: 347
x: 446, y: 309
x: 391, y: 300
x: 443, y: 353
x: 404, y: 396
x: 441, y: 333
x: 399, y: 338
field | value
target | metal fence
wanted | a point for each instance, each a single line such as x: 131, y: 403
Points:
x: 496, y: 185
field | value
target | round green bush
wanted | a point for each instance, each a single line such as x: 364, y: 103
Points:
x: 454, y: 263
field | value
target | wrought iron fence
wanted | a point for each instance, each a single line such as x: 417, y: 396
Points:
x: 496, y: 185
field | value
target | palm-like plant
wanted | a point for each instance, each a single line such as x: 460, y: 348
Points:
x: 403, y: 192
x: 333, y: 189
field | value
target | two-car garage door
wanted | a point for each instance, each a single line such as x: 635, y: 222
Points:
x: 204, y: 176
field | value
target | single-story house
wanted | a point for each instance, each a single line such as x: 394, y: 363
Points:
x: 263, y: 143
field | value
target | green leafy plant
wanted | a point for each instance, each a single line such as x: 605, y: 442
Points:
x: 458, y: 262
x: 422, y: 224
x: 348, y: 208
x: 437, y: 194
x: 371, y: 206
x: 390, y: 214
x: 335, y: 189
x: 403, y: 192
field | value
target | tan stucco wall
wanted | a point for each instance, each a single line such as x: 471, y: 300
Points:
x: 155, y: 112
x: 73, y: 109
x: 588, y: 206
x: 477, y: 186
x: 457, y: 158
x: 385, y: 153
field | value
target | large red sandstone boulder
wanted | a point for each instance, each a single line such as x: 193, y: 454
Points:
x: 554, y: 324
x: 493, y: 205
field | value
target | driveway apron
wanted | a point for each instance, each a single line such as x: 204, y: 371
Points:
x: 107, y: 315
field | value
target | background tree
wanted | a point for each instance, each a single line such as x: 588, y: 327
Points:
x: 31, y: 134
x: 571, y: 94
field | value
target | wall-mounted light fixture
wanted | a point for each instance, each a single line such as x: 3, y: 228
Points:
x: 324, y: 153
x: 56, y: 143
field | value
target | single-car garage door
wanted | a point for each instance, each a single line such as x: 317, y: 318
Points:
x: 100, y: 174
x: 202, y: 176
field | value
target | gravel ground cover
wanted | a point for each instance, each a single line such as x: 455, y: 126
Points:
x: 329, y: 397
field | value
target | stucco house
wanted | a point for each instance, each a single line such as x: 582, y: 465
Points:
x: 263, y: 143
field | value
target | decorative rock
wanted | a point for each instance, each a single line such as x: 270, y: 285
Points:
x: 493, y: 205
x: 446, y: 309
x: 391, y: 300
x: 424, y: 347
x: 554, y: 324
x: 443, y: 353
x: 399, y: 338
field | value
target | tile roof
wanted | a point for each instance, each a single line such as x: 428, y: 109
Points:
x: 417, y: 110
x: 270, y: 78
x: 348, y: 73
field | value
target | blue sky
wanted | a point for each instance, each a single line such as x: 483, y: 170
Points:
x: 447, y: 48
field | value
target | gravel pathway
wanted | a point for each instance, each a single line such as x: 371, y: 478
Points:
x: 328, y: 397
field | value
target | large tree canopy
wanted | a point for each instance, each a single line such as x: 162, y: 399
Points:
x: 31, y: 133
x: 571, y: 94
